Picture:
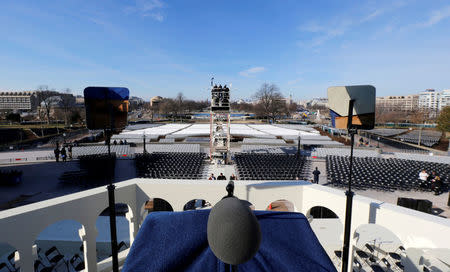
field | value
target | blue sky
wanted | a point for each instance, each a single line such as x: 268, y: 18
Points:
x: 160, y: 47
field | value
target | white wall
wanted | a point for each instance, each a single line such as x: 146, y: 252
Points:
x: 20, y: 226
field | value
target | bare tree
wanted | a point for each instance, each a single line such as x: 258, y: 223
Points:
x: 67, y: 103
x: 167, y: 106
x: 290, y: 109
x: 155, y: 108
x: 242, y: 106
x: 44, y: 99
x: 179, y: 103
x: 421, y: 116
x: 270, y: 101
x: 380, y: 115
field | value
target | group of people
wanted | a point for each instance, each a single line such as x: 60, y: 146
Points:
x: 221, y: 177
x: 436, y: 183
x: 124, y: 142
x: 63, y: 153
x: 362, y: 142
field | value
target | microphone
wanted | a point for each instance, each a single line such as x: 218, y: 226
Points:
x: 234, y: 234
x: 230, y: 188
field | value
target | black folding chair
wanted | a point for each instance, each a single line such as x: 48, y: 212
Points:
x: 54, y: 256
x: 372, y: 251
x: 12, y: 261
x: 386, y: 263
x: 4, y: 268
x: 40, y: 267
x: 338, y: 255
x: 376, y: 268
x: 121, y: 246
x: 357, y: 264
x: 77, y: 262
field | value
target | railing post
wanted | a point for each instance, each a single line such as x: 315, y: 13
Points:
x: 88, y: 235
x: 133, y: 226
x: 26, y: 261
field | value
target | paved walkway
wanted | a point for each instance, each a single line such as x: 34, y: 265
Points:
x: 28, y: 156
x: 227, y: 170
x: 40, y: 181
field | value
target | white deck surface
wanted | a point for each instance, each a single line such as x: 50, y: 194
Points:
x: 187, y: 130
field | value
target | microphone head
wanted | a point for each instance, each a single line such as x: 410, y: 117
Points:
x: 234, y: 234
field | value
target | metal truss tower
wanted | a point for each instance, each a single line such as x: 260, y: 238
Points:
x: 219, y: 139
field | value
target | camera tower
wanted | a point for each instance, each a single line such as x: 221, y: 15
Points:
x: 219, y: 139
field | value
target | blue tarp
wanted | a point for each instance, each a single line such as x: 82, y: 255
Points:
x: 177, y: 241
x: 333, y: 116
x: 110, y: 93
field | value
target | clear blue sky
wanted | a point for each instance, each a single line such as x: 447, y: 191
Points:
x: 159, y: 47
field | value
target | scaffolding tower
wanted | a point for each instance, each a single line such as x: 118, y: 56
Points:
x: 219, y: 139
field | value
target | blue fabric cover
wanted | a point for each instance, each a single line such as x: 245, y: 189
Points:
x: 177, y: 241
x: 333, y: 116
x: 111, y: 93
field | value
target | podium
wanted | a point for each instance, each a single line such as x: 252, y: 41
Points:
x: 177, y: 241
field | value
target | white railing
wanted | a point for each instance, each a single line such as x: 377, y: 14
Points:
x: 21, y: 226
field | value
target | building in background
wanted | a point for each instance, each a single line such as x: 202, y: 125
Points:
x: 79, y: 100
x: 398, y: 103
x: 136, y: 101
x: 154, y: 101
x: 429, y: 100
x: 288, y: 99
x: 315, y: 102
x: 18, y: 101
x: 444, y: 99
x: 318, y: 102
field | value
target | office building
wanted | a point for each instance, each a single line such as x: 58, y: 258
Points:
x: 18, y: 101
x: 398, y: 103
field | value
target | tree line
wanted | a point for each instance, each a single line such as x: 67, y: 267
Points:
x: 269, y: 104
x: 61, y: 104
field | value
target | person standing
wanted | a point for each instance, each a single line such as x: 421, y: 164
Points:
x: 69, y: 149
x: 221, y: 177
x: 63, y: 154
x: 316, y: 174
x: 56, y: 151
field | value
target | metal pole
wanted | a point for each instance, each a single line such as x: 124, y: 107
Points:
x: 420, y: 136
x: 228, y: 136
x: 145, y: 150
x: 108, y: 141
x: 112, y: 224
x: 348, y: 193
x: 112, y: 206
x: 298, y: 146
x: 111, y: 196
